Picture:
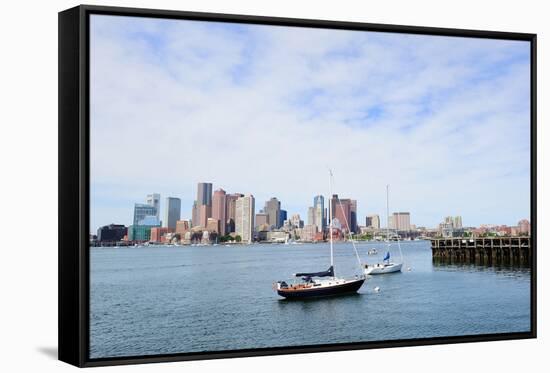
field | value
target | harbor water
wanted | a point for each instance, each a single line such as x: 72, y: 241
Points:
x: 173, y: 299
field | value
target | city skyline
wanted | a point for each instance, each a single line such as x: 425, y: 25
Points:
x: 146, y: 213
x: 263, y: 114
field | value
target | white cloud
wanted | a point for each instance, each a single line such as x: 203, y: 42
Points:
x: 264, y: 110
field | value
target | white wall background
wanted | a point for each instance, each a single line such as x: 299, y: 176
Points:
x: 28, y: 187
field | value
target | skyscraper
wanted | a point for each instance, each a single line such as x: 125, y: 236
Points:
x: 244, y: 218
x: 154, y: 200
x: 282, y: 216
x: 273, y: 210
x: 320, y: 218
x: 219, y: 209
x: 195, y: 214
x: 204, y: 194
x: 230, y: 210
x: 141, y: 211
x: 345, y: 210
x: 204, y: 203
x: 311, y: 212
x: 172, y: 212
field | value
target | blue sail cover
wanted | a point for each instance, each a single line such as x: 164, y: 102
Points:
x: 387, y: 256
x: 328, y: 273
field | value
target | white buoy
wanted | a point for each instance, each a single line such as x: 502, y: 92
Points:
x: 408, y: 269
x: 377, y: 289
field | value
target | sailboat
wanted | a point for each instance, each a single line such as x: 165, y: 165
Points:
x: 324, y: 283
x: 386, y: 266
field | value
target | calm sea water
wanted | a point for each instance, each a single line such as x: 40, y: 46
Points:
x: 158, y: 300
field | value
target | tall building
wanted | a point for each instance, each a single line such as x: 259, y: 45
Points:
x: 273, y: 210
x: 230, y: 210
x: 204, y: 194
x: 311, y: 216
x: 244, y: 218
x: 400, y: 221
x: 219, y: 209
x: 282, y: 216
x: 320, y: 217
x: 353, y: 215
x: 203, y: 207
x: 172, y: 212
x: 195, y: 214
x: 142, y: 210
x: 341, y: 210
x: 154, y: 200
x: 345, y: 210
x: 373, y: 221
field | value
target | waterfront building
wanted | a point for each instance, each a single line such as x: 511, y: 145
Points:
x: 277, y: 236
x: 158, y: 234
x: 308, y: 233
x: 142, y: 210
x: 244, y: 218
x: 273, y: 210
x: 219, y: 207
x: 213, y: 225
x: 373, y: 221
x: 172, y: 212
x: 182, y: 227
x: 111, y: 233
x: 400, y: 221
x: 154, y: 200
x: 140, y: 233
x: 230, y: 210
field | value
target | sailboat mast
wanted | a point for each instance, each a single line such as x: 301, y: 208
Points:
x: 330, y: 217
x: 388, y: 213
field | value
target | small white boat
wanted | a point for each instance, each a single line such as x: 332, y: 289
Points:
x: 382, y: 268
x: 372, y: 252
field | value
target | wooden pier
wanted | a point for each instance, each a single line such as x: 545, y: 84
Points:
x: 483, y: 250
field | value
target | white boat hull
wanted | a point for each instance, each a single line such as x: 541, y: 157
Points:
x: 380, y: 269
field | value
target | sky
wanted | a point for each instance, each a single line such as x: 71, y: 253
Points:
x: 267, y: 110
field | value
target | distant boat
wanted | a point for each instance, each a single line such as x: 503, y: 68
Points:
x: 318, y: 284
x: 386, y: 266
x: 372, y: 252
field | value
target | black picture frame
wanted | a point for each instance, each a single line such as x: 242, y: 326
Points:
x: 74, y: 193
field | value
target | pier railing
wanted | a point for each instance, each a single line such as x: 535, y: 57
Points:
x: 483, y: 250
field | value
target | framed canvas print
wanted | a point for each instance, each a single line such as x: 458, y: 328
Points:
x: 234, y: 186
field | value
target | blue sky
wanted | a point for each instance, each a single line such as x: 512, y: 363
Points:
x: 265, y: 110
